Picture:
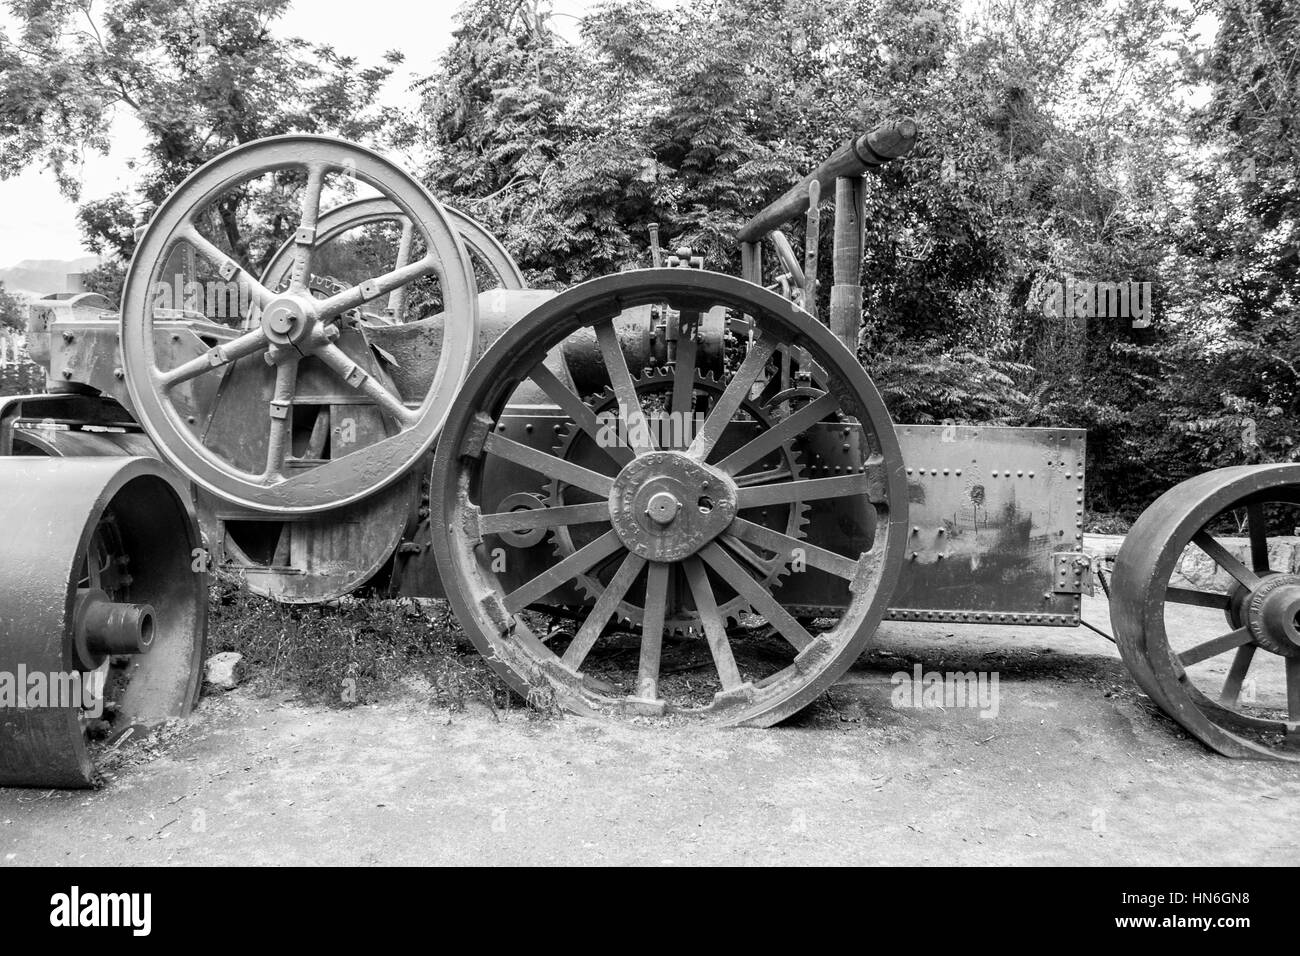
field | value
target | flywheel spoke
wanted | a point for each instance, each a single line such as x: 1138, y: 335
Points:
x: 306, y: 239
x: 217, y: 357
x: 341, y: 365
x: 377, y: 287
x: 603, y: 610
x: 715, y: 631
x: 226, y: 266
x: 281, y: 408
x: 683, y: 404
x: 1220, y: 645
x: 1223, y: 559
x: 558, y: 574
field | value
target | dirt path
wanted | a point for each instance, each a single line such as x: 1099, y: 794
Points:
x: 1075, y: 768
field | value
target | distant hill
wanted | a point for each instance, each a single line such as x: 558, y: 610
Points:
x: 33, y: 278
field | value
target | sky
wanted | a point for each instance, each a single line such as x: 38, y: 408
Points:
x: 36, y: 222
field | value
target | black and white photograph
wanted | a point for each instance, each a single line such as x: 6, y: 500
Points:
x: 650, y: 433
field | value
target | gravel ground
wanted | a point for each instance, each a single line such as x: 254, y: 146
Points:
x: 1076, y: 767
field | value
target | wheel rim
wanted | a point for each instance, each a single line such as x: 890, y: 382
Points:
x: 643, y: 498
x: 283, y: 328
x: 1198, y: 650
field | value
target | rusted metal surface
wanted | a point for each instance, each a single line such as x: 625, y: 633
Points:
x: 99, y: 557
x: 989, y: 508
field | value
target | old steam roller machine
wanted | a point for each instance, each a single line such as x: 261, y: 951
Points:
x: 666, y: 491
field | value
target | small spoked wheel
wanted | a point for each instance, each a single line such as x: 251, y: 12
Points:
x: 298, y: 340
x: 489, y: 256
x: 1205, y: 605
x: 670, y: 531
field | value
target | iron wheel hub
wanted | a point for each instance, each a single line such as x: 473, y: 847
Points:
x: 289, y: 318
x: 1271, y: 614
x: 665, y: 505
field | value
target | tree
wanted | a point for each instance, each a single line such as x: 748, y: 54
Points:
x: 200, y: 76
x: 13, y: 313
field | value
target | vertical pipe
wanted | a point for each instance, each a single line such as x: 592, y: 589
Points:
x: 751, y: 262
x: 811, y: 235
x: 846, y: 290
x: 656, y: 252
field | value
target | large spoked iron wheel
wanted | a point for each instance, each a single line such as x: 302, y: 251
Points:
x: 290, y: 334
x: 1219, y: 652
x: 667, y: 526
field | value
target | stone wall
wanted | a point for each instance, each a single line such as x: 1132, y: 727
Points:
x: 1195, y: 569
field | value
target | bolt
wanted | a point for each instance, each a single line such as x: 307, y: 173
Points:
x: 67, y: 336
x: 118, y: 374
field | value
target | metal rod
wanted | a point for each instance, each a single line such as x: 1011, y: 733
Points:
x: 890, y: 140
x: 788, y: 259
x: 846, y: 289
x: 811, y: 236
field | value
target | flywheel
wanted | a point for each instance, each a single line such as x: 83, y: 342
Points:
x: 286, y: 352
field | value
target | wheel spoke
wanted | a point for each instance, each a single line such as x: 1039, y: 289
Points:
x: 557, y: 574
x: 1231, y: 693
x: 1257, y: 527
x: 683, y: 405
x: 652, y: 630
x: 305, y: 240
x: 729, y: 401
x: 759, y: 597
x: 866, y: 483
x: 603, y: 610
x: 217, y: 357
x: 715, y: 632
x: 397, y: 298
x: 281, y: 410
x: 552, y: 466
x: 629, y: 405
x: 1293, y: 690
x: 375, y: 288
x: 353, y: 374
x: 578, y: 410
x: 226, y: 266
x: 787, y: 546
x: 1197, y: 598
x: 1223, y: 559
x: 1221, y: 644
x: 772, y: 439
x: 528, y: 519
x: 763, y: 477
